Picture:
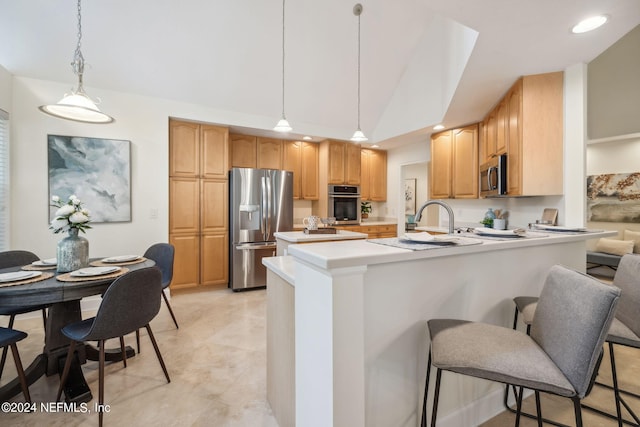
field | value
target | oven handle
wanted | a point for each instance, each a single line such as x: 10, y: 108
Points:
x: 340, y: 196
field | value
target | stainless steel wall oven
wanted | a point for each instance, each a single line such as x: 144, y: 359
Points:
x: 344, y: 203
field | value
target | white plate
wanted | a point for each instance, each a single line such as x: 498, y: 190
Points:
x: 483, y: 231
x: 94, y: 271
x: 557, y: 228
x: 18, y: 275
x: 121, y: 258
x: 438, y: 239
x: 49, y: 262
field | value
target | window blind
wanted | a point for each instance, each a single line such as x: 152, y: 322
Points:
x: 4, y: 180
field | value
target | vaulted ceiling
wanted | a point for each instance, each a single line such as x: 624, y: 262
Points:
x: 423, y: 61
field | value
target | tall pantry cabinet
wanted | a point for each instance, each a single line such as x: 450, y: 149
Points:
x: 198, y: 203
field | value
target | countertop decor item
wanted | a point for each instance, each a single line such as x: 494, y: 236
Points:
x: 73, y: 251
x: 365, y: 209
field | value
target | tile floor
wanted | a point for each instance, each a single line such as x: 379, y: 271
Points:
x: 217, y: 365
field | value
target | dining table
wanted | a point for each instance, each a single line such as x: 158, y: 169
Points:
x: 62, y: 292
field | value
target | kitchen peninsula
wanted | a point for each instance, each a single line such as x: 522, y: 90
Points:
x: 357, y: 314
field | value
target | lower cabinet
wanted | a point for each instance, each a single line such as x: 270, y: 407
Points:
x: 374, y: 231
x: 215, y: 259
x: 186, y: 264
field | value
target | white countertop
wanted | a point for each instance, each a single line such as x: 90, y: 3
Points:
x: 301, y: 237
x: 283, y: 266
x: 353, y: 253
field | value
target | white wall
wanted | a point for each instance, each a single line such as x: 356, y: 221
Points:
x: 141, y: 120
x: 522, y: 211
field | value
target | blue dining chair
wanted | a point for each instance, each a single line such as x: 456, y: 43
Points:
x: 17, y: 259
x: 130, y: 303
x: 9, y: 338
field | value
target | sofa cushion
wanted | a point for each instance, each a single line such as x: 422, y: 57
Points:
x: 615, y: 246
x: 635, y: 237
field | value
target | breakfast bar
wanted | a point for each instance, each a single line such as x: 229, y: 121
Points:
x: 359, y: 310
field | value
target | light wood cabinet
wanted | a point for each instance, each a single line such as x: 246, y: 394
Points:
x: 352, y: 163
x: 215, y: 258
x: 378, y: 231
x: 440, y: 176
x: 244, y: 151
x: 269, y: 155
x: 256, y: 152
x: 302, y: 159
x: 454, y: 164
x: 464, y: 180
x: 198, y: 203
x: 373, y: 175
x: 343, y: 162
x: 533, y: 132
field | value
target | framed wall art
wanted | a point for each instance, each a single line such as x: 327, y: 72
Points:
x: 613, y: 197
x: 96, y: 170
x: 410, y: 196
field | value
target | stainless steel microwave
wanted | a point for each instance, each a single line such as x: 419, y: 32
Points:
x: 493, y: 177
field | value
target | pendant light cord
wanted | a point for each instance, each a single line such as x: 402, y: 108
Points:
x: 78, y: 59
x: 283, y: 1
x: 359, y: 69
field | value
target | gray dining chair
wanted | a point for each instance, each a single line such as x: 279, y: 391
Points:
x: 162, y: 254
x: 17, y: 259
x: 130, y: 303
x: 561, y: 355
x: 625, y: 328
x: 10, y: 338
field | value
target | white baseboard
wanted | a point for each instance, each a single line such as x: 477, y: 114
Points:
x: 479, y: 411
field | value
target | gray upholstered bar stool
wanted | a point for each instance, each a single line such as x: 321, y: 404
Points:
x: 625, y: 328
x: 560, y: 356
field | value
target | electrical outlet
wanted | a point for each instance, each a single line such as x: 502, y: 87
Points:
x: 153, y: 213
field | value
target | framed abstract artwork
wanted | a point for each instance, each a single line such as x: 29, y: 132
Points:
x: 410, y: 196
x: 96, y: 170
x: 613, y: 197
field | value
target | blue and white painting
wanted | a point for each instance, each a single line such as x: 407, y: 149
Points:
x: 96, y: 170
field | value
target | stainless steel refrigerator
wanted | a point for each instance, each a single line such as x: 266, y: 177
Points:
x: 260, y: 204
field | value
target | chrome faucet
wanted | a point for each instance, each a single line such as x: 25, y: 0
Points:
x: 436, y: 202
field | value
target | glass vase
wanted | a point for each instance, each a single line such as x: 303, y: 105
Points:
x: 72, y: 252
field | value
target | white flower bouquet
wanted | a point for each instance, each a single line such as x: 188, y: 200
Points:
x: 69, y: 215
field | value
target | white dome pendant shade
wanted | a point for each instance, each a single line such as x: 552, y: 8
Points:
x: 77, y: 106
x: 358, y: 135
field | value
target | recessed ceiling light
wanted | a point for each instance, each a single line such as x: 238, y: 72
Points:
x: 589, y: 24
x: 307, y: 138
x: 438, y: 127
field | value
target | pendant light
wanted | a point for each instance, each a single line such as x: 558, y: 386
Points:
x: 77, y: 105
x: 358, y: 136
x: 283, y: 124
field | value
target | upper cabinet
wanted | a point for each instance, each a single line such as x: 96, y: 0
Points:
x: 244, y: 153
x: 454, y: 164
x: 255, y: 152
x: 533, y: 129
x: 269, y: 153
x: 342, y: 161
x: 197, y: 150
x: 302, y: 159
x: 373, y: 177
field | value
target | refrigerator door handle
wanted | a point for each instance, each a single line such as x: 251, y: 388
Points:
x: 263, y: 206
x: 270, y: 213
x: 256, y: 246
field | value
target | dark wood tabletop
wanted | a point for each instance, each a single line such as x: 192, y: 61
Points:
x: 63, y: 299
